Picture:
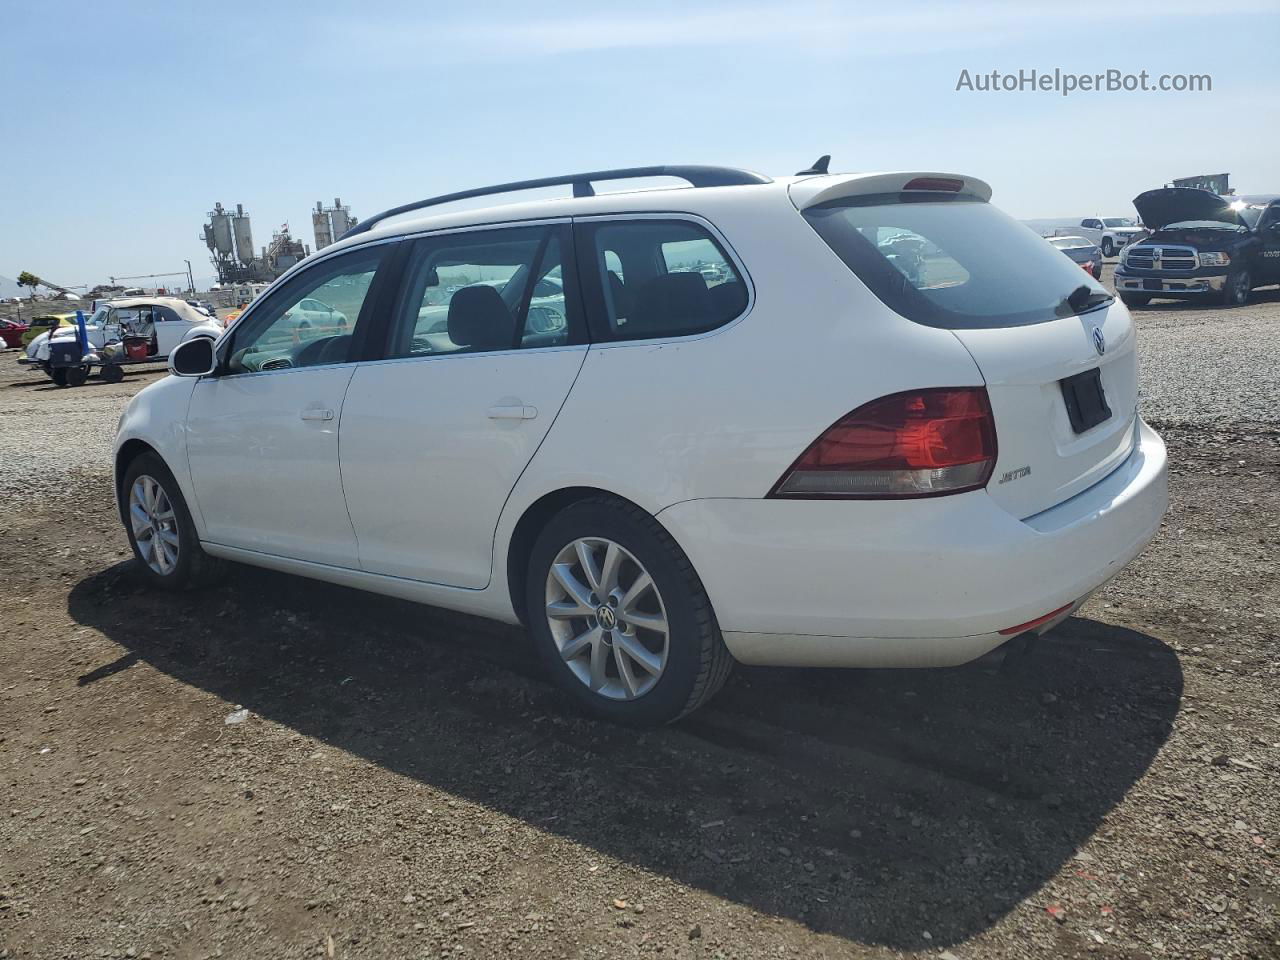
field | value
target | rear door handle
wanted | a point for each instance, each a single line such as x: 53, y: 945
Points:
x: 512, y: 412
x: 314, y: 413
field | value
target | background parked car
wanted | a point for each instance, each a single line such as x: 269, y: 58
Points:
x: 1082, y: 251
x: 45, y: 324
x: 1111, y: 234
x: 11, y: 332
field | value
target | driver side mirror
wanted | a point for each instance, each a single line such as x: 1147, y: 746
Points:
x: 193, y: 358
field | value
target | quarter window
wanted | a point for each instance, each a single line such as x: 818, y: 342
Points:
x: 311, y: 321
x: 662, y: 278
x: 481, y: 291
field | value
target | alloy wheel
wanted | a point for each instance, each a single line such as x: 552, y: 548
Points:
x: 154, y: 524
x: 607, y: 618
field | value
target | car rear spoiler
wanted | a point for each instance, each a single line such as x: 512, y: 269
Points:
x: 812, y: 191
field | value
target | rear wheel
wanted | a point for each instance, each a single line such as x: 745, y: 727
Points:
x: 58, y: 375
x: 619, y: 615
x: 1237, y: 289
x: 76, y: 376
x: 159, y: 526
x: 1135, y: 299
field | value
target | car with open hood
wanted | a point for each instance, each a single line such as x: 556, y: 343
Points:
x: 1204, y: 246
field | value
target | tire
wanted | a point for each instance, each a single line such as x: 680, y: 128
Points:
x: 112, y: 373
x: 187, y: 565
x: 1108, y: 250
x: 1235, y: 292
x: 1135, y: 299
x: 691, y: 658
x: 76, y: 376
x: 58, y: 375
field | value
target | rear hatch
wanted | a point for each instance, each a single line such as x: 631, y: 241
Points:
x: 1056, y: 351
x: 1038, y: 377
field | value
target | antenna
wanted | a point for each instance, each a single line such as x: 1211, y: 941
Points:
x: 819, y: 167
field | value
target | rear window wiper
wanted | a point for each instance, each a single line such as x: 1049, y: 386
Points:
x: 1082, y: 298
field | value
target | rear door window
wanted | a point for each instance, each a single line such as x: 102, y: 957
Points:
x: 658, y: 278
x: 487, y: 290
x: 956, y: 263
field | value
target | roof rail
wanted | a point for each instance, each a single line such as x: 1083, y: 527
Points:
x: 695, y: 175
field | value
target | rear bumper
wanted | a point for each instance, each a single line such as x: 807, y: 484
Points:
x: 911, y: 582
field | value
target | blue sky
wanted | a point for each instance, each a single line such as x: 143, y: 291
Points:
x: 126, y: 121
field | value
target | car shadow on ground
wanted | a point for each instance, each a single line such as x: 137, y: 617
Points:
x: 872, y: 805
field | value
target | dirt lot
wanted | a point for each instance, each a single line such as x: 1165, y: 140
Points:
x: 407, y: 785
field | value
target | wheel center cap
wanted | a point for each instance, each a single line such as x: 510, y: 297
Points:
x: 608, y: 619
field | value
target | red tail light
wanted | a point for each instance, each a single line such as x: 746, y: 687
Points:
x: 921, y: 443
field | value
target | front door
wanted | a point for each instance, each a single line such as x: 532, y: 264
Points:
x: 481, y: 355
x: 262, y: 434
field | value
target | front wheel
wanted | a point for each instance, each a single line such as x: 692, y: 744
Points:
x: 159, y: 527
x: 1108, y: 249
x: 1235, y: 293
x: 619, y: 616
x: 1135, y: 299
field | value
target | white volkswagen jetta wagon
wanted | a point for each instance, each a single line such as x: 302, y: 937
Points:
x: 825, y: 420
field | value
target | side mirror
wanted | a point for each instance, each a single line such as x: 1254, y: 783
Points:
x: 193, y: 358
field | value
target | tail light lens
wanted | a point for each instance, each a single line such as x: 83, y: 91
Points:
x: 921, y: 443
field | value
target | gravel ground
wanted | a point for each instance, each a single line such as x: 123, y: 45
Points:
x: 404, y: 783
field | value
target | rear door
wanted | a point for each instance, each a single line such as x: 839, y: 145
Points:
x: 170, y: 329
x: 486, y: 341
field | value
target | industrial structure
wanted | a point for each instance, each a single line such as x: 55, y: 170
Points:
x: 330, y: 223
x: 229, y: 238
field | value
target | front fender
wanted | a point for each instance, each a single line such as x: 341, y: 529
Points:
x: 157, y: 417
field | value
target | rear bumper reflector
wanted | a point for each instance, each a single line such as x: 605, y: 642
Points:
x: 1031, y: 624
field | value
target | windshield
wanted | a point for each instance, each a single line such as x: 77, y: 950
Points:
x: 1249, y: 213
x: 957, y: 263
x: 1119, y: 222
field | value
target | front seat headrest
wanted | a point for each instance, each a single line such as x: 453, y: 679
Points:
x: 479, y: 318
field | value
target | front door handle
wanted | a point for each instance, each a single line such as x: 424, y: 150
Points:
x: 315, y: 413
x: 512, y: 412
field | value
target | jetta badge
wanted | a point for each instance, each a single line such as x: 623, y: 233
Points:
x: 1099, y: 341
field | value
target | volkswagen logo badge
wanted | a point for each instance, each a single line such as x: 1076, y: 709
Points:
x: 1099, y: 341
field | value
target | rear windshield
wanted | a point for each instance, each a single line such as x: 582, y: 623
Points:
x: 953, y: 261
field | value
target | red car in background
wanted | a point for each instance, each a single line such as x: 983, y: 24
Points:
x: 11, y: 332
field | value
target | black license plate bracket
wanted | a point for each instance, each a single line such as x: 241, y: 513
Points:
x: 1086, y: 400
